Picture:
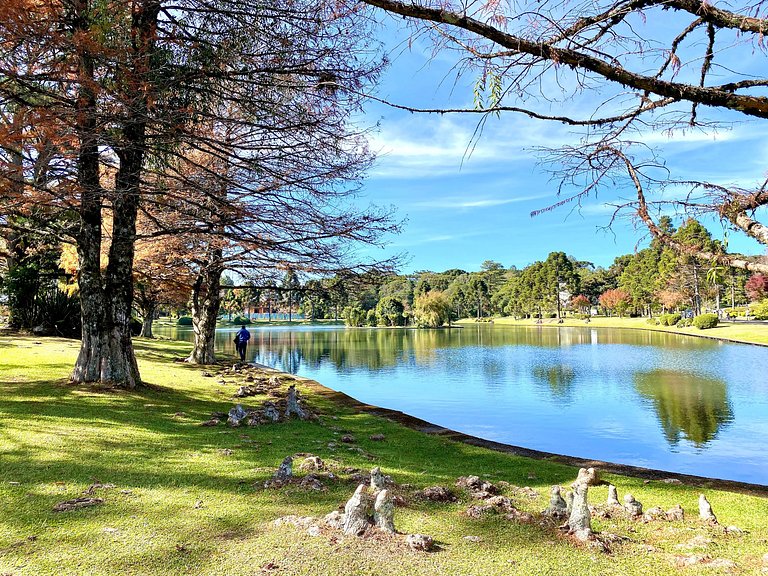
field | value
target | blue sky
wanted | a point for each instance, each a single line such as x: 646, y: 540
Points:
x: 462, y: 209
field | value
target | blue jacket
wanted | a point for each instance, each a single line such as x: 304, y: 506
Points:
x: 243, y: 336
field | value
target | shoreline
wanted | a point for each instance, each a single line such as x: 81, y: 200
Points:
x: 506, y: 321
x: 429, y: 428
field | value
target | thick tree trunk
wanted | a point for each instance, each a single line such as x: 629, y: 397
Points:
x: 206, y: 303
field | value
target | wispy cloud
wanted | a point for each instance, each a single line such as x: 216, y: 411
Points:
x: 461, y: 203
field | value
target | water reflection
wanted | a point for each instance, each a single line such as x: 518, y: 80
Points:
x: 645, y: 398
x: 686, y: 404
x: 559, y: 379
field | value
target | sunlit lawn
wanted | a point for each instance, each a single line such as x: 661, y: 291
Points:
x: 733, y: 330
x: 182, y: 503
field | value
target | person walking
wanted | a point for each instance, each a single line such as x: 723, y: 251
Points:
x: 241, y: 342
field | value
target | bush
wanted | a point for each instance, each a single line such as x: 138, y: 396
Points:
x: 184, y: 321
x: 683, y: 323
x: 653, y: 321
x: 241, y: 320
x: 760, y: 310
x: 670, y: 319
x: 135, y: 326
x: 705, y: 321
x: 353, y: 316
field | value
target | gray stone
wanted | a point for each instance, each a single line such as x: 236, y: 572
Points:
x: 377, y: 437
x: 356, y: 520
x: 314, y: 531
x: 377, y: 479
x: 334, y: 520
x: 285, y: 470
x: 271, y: 414
x: 292, y: 406
x: 613, y: 496
x: 557, y: 506
x: 312, y: 463
x: 384, y: 512
x: 236, y: 415
x: 420, y: 542
x: 580, y: 517
x: 675, y: 513
x: 632, y: 506
x: 705, y: 510
x: 436, y: 494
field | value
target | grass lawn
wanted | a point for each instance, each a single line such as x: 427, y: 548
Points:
x: 736, y: 331
x: 188, y: 499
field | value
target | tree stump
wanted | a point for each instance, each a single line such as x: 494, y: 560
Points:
x: 384, y: 512
x: 235, y: 415
x: 292, y: 406
x: 632, y: 506
x: 613, y: 496
x: 705, y: 510
x: 557, y: 506
x: 356, y: 520
x: 377, y: 480
x: 285, y: 471
x: 579, y: 520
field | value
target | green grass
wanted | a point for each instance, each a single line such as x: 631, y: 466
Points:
x: 735, y: 331
x: 182, y: 505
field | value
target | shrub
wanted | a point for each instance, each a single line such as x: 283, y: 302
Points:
x: 760, y: 310
x: 184, y: 321
x: 670, y: 319
x: 705, y: 321
x: 653, y: 321
x: 135, y: 326
x: 370, y: 318
x: 353, y: 316
x: 683, y: 323
x: 241, y: 320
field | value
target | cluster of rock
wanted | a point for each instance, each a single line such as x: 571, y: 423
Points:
x: 371, y: 508
x: 312, y: 481
x: 269, y: 412
x: 575, y: 508
x: 491, y: 501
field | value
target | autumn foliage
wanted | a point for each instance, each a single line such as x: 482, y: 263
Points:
x: 616, y: 300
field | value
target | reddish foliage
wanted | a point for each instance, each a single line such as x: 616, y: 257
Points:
x: 757, y: 287
x: 616, y: 299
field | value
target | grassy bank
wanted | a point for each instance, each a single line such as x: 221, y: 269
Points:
x: 735, y: 331
x: 180, y: 498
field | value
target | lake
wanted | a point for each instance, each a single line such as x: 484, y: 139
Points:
x: 676, y: 403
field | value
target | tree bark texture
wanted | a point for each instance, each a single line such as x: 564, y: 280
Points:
x: 206, y: 303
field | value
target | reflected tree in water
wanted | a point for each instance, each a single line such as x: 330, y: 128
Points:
x: 686, y: 404
x: 559, y: 378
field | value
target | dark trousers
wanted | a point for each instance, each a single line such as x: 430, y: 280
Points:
x: 240, y: 347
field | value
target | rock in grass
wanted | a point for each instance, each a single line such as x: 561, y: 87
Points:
x: 420, y: 542
x: 384, y: 512
x: 377, y: 437
x: 705, y: 510
x: 632, y: 506
x: 292, y: 404
x: 436, y: 494
x: 557, y: 506
x: 613, y: 496
x: 377, y: 479
x: 356, y: 520
x: 236, y: 415
x: 76, y: 503
x: 676, y: 513
x: 579, y: 520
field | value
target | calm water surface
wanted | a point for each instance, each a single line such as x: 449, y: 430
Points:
x: 670, y: 402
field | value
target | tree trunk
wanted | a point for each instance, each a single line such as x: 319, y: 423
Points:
x: 147, y: 317
x: 206, y: 303
x: 106, y: 352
